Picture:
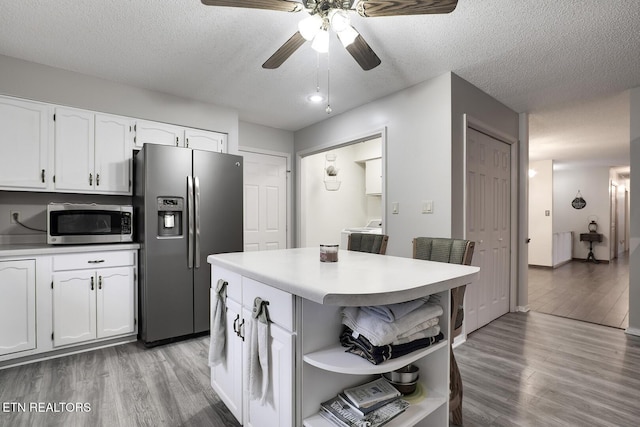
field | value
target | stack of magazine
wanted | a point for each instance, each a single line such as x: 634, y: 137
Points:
x: 368, y: 405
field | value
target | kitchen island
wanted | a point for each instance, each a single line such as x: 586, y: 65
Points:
x: 307, y: 363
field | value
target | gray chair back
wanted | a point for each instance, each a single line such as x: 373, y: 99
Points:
x: 454, y: 251
x: 366, y: 242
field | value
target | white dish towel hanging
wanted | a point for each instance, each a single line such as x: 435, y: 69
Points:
x: 258, y: 354
x: 218, y: 340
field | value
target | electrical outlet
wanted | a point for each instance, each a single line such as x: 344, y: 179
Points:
x: 15, y: 217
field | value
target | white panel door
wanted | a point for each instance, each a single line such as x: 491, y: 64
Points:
x: 265, y: 202
x: 226, y: 377
x: 74, y: 307
x: 113, y: 154
x: 488, y: 225
x: 278, y: 408
x: 17, y: 306
x: 24, y: 145
x: 74, y: 150
x: 114, y: 304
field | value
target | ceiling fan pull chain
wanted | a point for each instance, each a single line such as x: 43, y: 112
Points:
x: 328, y: 109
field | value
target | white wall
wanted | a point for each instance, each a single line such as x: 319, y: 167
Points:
x: 266, y: 138
x: 424, y: 151
x: 418, y: 157
x: 329, y: 212
x: 468, y: 99
x: 53, y: 85
x: 593, y: 184
x: 634, y: 245
x: 541, y: 225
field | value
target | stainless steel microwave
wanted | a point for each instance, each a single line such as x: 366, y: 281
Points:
x: 82, y: 223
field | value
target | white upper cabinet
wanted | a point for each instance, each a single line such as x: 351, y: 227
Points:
x: 157, y: 133
x: 113, y: 154
x: 93, y: 152
x: 74, y: 150
x: 24, y: 145
x: 148, y: 132
x: 373, y: 176
x: 205, y: 140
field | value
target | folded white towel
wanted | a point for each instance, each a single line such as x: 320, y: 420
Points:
x: 379, y: 332
x: 217, y: 342
x: 258, y: 354
x: 420, y: 327
x: 393, y: 312
x: 429, y: 332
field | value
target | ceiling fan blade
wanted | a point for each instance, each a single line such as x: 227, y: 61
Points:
x: 285, y: 51
x: 279, y: 5
x: 363, y: 54
x: 372, y: 8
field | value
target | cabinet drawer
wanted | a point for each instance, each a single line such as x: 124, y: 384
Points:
x: 234, y: 286
x: 280, y: 302
x: 93, y: 260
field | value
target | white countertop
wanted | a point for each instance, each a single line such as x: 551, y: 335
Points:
x: 13, y: 250
x: 356, y: 279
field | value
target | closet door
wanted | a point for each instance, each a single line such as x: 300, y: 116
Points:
x: 488, y: 225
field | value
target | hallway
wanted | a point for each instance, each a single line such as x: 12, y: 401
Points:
x: 596, y: 293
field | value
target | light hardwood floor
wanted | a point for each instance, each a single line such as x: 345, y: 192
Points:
x: 127, y: 385
x: 522, y: 369
x: 597, y: 293
x: 534, y: 369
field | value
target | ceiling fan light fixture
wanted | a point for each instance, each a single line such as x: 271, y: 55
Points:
x: 347, y: 36
x: 339, y: 20
x: 310, y: 26
x: 321, y: 42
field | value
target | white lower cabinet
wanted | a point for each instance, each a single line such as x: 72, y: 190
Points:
x: 307, y: 363
x: 17, y: 306
x: 230, y: 378
x: 92, y: 303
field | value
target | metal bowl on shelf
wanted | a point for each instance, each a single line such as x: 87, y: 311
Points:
x: 404, y: 379
x: 406, y: 374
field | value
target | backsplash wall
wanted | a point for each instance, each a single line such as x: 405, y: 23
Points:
x: 33, y: 212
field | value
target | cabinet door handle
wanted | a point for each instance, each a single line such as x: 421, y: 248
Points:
x: 95, y: 261
x: 235, y: 325
x: 97, y: 179
x: 99, y: 282
x: 42, y: 175
x: 187, y: 142
x: 241, y: 330
x: 91, y: 283
x: 176, y: 141
x: 90, y: 179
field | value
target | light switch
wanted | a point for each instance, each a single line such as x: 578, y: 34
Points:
x: 427, y: 206
x: 395, y: 207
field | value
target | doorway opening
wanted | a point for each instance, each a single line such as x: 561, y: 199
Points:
x: 341, y: 188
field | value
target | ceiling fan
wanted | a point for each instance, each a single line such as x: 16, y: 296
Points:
x: 334, y: 14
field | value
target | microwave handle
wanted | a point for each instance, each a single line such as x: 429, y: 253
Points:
x: 196, y: 220
x: 190, y: 215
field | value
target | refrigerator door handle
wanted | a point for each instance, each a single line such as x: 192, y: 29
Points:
x: 190, y: 215
x: 196, y: 218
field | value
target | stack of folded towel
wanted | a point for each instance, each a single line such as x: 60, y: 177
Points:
x: 382, y: 332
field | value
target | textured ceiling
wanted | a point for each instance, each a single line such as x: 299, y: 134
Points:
x: 568, y: 63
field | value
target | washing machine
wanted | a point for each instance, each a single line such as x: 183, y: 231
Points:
x: 374, y: 227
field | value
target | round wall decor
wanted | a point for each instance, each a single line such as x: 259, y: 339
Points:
x: 579, y: 202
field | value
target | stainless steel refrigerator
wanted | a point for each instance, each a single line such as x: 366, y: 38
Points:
x: 187, y: 205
